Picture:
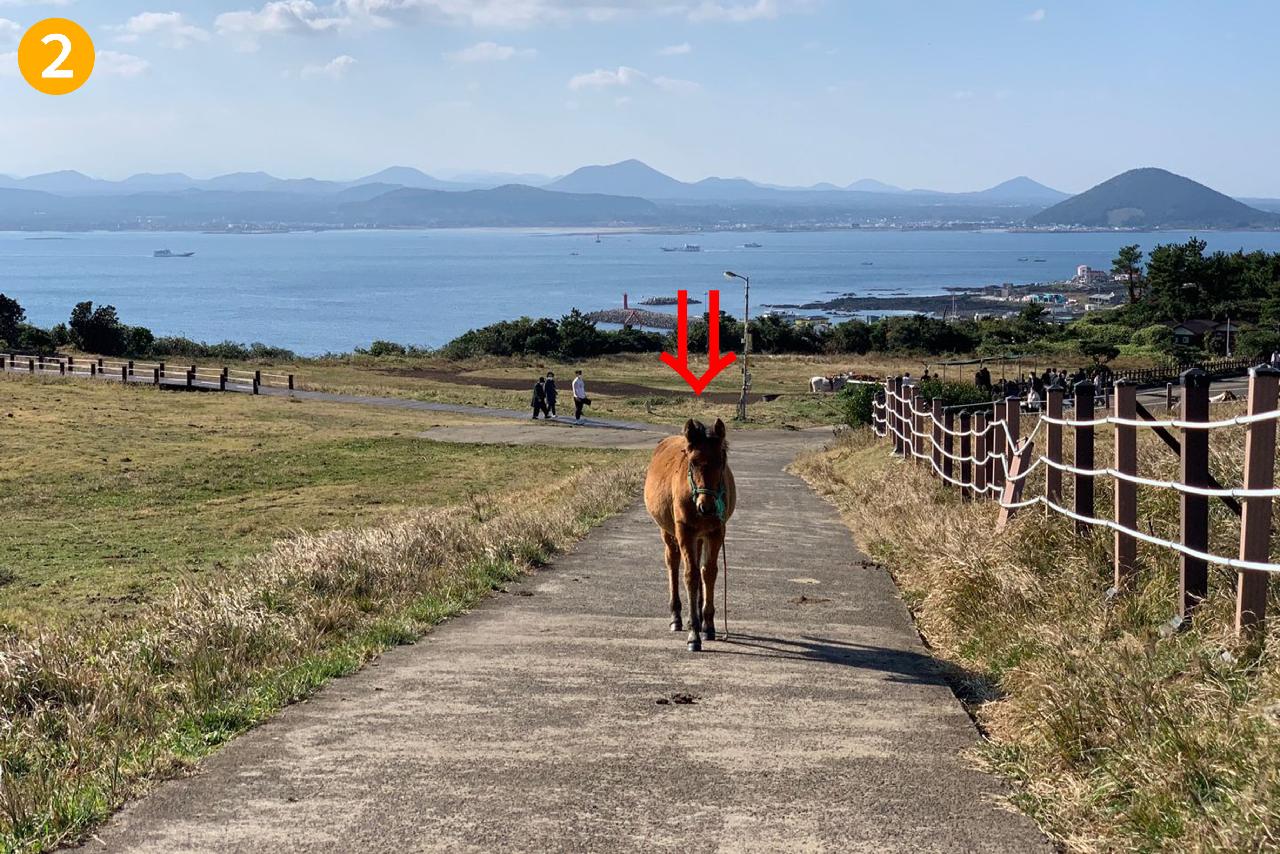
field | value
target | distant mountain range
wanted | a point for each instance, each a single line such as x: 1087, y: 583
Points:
x: 629, y: 193
x: 1154, y: 198
x: 634, y: 178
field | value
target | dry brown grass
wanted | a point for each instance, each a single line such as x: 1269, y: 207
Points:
x: 1119, y: 733
x: 88, y: 716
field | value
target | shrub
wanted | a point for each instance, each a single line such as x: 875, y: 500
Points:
x: 380, y: 348
x: 856, y: 403
x: 952, y: 393
x: 1156, y: 335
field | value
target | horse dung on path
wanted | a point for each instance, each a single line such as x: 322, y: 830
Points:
x: 689, y: 491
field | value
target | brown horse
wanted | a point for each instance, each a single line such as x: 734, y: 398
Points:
x: 690, y: 493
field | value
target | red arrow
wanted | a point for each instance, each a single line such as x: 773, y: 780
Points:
x: 719, y: 361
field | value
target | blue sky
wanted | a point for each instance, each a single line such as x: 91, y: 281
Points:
x: 946, y: 95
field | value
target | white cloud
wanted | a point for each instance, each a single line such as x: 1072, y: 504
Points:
x: 625, y: 77
x: 120, y: 64
x: 676, y: 50
x: 307, y: 16
x: 1037, y: 16
x: 10, y: 31
x: 710, y: 10
x: 9, y: 64
x: 334, y: 69
x: 963, y: 94
x: 169, y: 28
x: 490, y: 52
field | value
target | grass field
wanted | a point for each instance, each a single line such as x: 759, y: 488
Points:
x: 1118, y: 733
x: 175, y: 567
x: 112, y: 493
x: 652, y: 391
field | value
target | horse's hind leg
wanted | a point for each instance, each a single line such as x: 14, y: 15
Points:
x: 693, y: 589
x: 710, y: 568
x: 673, y: 579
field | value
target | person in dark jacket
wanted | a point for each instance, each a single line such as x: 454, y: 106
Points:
x: 539, y: 398
x: 549, y: 389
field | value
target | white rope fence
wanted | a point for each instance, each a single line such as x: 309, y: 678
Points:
x: 994, y: 460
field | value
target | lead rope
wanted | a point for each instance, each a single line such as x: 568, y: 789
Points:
x: 724, y: 560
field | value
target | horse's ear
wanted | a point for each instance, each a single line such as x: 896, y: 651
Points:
x: 719, y: 429
x: 691, y: 430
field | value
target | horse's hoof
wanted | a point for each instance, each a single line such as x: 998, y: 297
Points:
x: 677, y: 626
x: 695, y: 646
x: 709, y: 634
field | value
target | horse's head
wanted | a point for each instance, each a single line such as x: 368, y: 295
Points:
x: 708, y: 454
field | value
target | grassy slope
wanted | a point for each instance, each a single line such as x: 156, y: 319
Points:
x: 95, y: 709
x: 1119, y: 734
x: 113, y: 493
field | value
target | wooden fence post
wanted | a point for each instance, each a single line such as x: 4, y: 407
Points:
x: 948, y: 445
x: 155, y: 376
x: 891, y: 413
x: 62, y: 369
x: 979, y: 454
x: 131, y: 367
x: 1125, y: 492
x: 1084, y: 454
x: 1053, y: 442
x: 1012, y: 420
x: 222, y: 380
x: 966, y: 454
x: 1193, y: 572
x: 93, y: 369
x: 918, y: 428
x: 257, y: 377
x: 191, y: 376
x: 290, y: 382
x: 937, y: 435
x: 1255, y: 523
x: 255, y: 385
x: 899, y: 430
x: 995, y: 449
x: 31, y: 365
x: 124, y: 374
x: 99, y: 364
x: 161, y: 370
x: 1168, y: 397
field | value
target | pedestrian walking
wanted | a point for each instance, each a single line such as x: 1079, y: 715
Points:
x: 580, y: 398
x: 549, y: 390
x: 539, y: 400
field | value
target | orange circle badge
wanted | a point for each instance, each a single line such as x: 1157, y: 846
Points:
x: 56, y: 56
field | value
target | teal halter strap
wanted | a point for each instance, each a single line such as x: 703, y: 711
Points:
x: 717, y: 494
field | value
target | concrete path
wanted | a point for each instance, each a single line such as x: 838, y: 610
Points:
x: 562, y: 715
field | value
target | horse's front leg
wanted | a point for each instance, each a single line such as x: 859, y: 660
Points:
x: 710, y: 568
x: 673, y: 579
x: 692, y: 586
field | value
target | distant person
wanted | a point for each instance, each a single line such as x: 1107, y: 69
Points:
x: 580, y: 398
x: 982, y: 379
x: 549, y: 391
x: 539, y: 398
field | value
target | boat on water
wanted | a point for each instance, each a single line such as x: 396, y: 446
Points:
x: 688, y: 247
x: 598, y: 240
x: 752, y: 245
x: 868, y: 263
x: 166, y: 253
x: 1040, y: 261
x: 1024, y: 259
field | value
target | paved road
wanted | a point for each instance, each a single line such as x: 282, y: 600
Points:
x: 550, y: 719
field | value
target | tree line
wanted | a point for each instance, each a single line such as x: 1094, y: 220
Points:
x: 98, y: 329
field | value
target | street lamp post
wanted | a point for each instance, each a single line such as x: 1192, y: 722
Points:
x: 746, y: 340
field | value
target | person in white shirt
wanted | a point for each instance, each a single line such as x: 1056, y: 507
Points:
x: 579, y: 395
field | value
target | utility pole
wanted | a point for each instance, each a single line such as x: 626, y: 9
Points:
x: 746, y: 340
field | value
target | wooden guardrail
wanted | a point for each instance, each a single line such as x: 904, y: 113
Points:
x: 167, y: 374
x: 995, y: 461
